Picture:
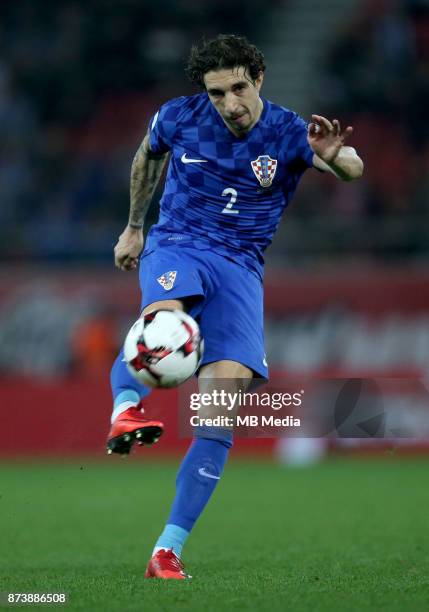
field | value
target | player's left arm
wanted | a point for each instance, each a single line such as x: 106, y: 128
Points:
x: 330, y: 154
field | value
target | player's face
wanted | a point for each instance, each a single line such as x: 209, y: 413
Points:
x: 235, y: 97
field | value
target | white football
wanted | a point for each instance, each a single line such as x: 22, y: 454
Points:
x: 163, y: 348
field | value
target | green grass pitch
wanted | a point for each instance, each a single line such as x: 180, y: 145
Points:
x: 344, y: 535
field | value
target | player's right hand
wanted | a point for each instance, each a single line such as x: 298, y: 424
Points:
x: 128, y: 248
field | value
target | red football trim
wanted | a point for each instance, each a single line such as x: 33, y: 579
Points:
x: 192, y: 343
x: 155, y: 353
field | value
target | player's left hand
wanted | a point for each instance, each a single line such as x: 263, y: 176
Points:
x: 326, y: 138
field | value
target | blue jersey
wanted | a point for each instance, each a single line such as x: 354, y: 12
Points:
x: 223, y: 193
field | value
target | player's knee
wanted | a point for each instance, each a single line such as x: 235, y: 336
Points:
x: 164, y: 305
x: 184, y: 304
x: 228, y: 370
x: 223, y: 381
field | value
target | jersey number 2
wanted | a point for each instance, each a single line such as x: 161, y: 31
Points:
x: 228, y: 210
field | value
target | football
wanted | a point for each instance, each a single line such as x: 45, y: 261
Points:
x: 163, y: 348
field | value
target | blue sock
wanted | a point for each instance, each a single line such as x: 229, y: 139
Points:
x: 196, y: 480
x: 173, y: 537
x: 125, y: 387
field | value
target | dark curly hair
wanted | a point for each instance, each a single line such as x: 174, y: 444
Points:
x: 224, y: 51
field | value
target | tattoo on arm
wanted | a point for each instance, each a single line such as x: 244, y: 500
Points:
x: 146, y: 171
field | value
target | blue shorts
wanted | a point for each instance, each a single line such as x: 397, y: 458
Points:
x: 230, y: 307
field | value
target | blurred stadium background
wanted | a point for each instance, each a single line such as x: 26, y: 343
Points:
x: 347, y: 291
x: 347, y: 296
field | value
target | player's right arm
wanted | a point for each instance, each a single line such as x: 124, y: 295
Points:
x: 146, y: 171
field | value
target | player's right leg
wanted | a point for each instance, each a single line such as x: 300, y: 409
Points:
x: 166, y: 279
x: 128, y: 422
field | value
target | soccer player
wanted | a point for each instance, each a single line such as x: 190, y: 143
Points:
x: 235, y: 160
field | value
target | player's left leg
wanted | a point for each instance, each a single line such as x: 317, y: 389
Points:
x: 231, y: 323
x: 200, y: 471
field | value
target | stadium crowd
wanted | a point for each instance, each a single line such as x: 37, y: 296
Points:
x: 78, y: 82
x: 376, y: 78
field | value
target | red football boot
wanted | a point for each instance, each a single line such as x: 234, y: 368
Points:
x: 129, y: 427
x: 165, y: 564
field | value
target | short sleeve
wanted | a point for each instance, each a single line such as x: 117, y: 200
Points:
x: 163, y: 126
x: 299, y: 151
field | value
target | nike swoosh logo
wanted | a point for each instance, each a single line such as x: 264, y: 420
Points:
x: 188, y: 160
x: 202, y: 472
